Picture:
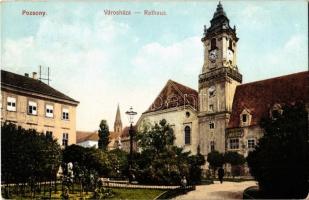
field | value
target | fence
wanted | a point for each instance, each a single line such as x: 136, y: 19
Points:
x: 125, y: 184
x: 175, y: 192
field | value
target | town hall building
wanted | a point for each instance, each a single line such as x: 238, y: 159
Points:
x: 223, y: 114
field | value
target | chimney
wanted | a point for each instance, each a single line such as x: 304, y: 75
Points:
x: 34, y: 75
x: 26, y: 75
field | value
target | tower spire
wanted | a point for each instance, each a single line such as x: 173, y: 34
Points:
x: 118, y: 123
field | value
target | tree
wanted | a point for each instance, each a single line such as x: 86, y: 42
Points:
x: 119, y: 163
x: 160, y: 162
x: 280, y: 161
x: 87, y: 159
x: 215, y: 160
x: 196, y: 161
x: 28, y: 156
x: 236, y: 160
x: 103, y: 135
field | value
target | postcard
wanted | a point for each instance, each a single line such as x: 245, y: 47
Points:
x: 123, y: 89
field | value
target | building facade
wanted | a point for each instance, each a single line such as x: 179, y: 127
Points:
x: 87, y: 139
x: 177, y: 104
x: 91, y: 139
x: 217, y: 82
x: 32, y: 104
x: 228, y: 114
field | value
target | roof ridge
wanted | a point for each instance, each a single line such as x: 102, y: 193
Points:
x: 28, y: 84
x: 168, y: 82
x: 268, y: 79
x: 182, y: 85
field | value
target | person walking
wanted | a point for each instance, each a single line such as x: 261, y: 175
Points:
x: 183, y: 184
x: 221, y: 174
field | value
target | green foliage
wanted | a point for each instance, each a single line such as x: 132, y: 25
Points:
x: 195, y: 171
x: 103, y: 135
x: 87, y: 159
x: 157, y: 138
x: 280, y: 161
x: 27, y: 156
x: 119, y: 162
x: 160, y: 162
x: 234, y: 158
x: 215, y: 160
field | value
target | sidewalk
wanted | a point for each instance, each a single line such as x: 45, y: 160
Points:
x: 226, y: 190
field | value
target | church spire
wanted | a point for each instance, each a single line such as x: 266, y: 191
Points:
x: 219, y: 12
x: 118, y: 123
x: 218, y: 24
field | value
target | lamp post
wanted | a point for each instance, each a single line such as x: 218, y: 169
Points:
x: 131, y: 114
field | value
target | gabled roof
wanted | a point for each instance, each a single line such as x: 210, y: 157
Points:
x: 28, y: 84
x: 82, y: 136
x: 174, y: 95
x: 259, y: 97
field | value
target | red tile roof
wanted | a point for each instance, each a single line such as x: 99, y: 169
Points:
x: 114, y: 135
x: 82, y: 136
x: 174, y: 95
x: 258, y: 97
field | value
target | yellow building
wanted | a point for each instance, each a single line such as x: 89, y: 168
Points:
x: 32, y: 104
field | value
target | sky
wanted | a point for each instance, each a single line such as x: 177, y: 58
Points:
x: 103, y: 60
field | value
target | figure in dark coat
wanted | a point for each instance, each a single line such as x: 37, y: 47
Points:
x: 221, y: 174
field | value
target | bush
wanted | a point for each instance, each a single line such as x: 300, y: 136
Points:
x: 160, y: 162
x: 28, y: 156
x: 280, y: 161
x: 215, y: 160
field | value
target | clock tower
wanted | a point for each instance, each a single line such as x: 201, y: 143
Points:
x: 217, y: 82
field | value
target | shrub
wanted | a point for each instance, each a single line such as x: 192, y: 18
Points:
x: 280, y: 161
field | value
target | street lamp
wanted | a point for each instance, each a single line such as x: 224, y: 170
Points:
x: 131, y: 114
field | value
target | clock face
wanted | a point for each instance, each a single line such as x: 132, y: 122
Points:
x: 213, y: 55
x: 229, y: 54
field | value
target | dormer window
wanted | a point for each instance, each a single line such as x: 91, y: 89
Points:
x: 244, y: 118
x: 275, y: 114
x: 276, y: 111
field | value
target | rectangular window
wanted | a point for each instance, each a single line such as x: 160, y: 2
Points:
x: 211, y: 125
x: 49, y: 134
x: 213, y: 43
x: 211, y: 107
x: 65, y: 113
x: 32, y: 108
x: 251, y: 143
x: 65, y: 139
x: 11, y: 104
x: 234, y: 143
x: 212, y: 145
x: 49, y: 111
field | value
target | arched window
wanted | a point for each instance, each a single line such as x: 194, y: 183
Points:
x: 212, y: 145
x: 213, y: 43
x: 187, y: 135
x: 230, y: 44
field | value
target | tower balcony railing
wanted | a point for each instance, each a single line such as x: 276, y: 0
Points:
x: 222, y: 71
